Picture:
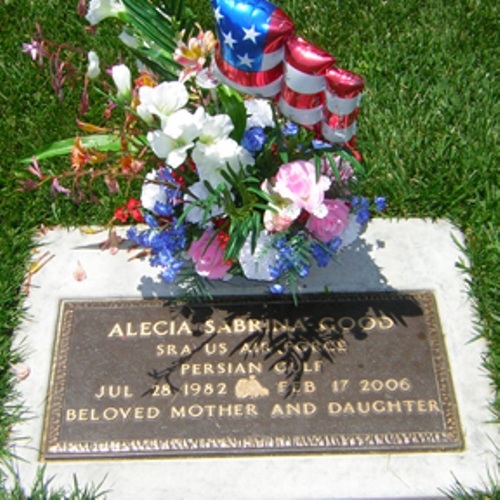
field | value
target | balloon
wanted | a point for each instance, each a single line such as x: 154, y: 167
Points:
x: 259, y: 55
x: 303, y: 92
x: 343, y: 97
x: 250, y: 54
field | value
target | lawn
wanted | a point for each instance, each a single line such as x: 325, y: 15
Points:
x: 428, y: 130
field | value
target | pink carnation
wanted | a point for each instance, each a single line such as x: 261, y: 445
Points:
x: 333, y: 224
x: 208, y: 256
x: 297, y: 182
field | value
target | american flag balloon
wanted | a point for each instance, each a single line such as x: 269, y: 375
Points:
x: 303, y: 92
x: 343, y: 97
x: 250, y: 53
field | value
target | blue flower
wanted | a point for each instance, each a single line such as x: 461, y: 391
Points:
x: 303, y: 270
x: 324, y: 253
x: 290, y: 129
x: 363, y: 216
x: 150, y: 220
x: 173, y: 191
x: 132, y: 234
x: 254, y: 139
x: 169, y: 272
x: 319, y: 144
x: 380, y: 203
x: 274, y: 272
x: 163, y: 210
x: 359, y: 202
x: 277, y: 289
x: 362, y: 208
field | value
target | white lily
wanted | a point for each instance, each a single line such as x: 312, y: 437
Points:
x: 101, y: 9
x: 215, y: 128
x: 176, y: 138
x: 162, y: 100
x: 93, y: 70
x: 212, y: 159
x: 123, y: 80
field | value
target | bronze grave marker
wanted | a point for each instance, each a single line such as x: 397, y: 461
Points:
x: 249, y: 376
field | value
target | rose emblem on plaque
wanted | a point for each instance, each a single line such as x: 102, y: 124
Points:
x: 250, y: 388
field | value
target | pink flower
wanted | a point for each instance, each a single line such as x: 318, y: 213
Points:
x: 297, y: 182
x: 194, y: 55
x: 333, y: 224
x: 208, y: 256
x: 282, y: 213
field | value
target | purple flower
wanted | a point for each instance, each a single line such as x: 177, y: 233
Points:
x: 34, y: 49
x: 57, y: 188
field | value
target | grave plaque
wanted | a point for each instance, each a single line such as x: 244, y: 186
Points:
x: 249, y: 376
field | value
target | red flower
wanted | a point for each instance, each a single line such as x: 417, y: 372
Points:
x: 131, y: 209
x: 223, y: 238
x: 121, y: 214
x: 302, y: 218
x: 133, y: 206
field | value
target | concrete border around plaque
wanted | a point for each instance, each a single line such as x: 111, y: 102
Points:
x: 391, y: 256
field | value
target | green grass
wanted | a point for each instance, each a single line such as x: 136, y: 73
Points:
x: 428, y: 130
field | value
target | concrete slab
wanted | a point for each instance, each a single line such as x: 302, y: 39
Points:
x: 391, y: 255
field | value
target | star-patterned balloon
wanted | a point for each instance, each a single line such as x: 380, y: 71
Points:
x: 251, y: 38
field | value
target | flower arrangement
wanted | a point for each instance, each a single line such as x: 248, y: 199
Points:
x: 234, y: 181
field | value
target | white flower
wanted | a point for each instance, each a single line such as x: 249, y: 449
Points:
x: 260, y: 113
x: 152, y: 192
x: 162, y: 100
x: 123, y: 80
x: 212, y: 159
x: 215, y: 128
x: 196, y: 213
x: 101, y: 9
x: 206, y: 80
x: 176, y: 138
x: 256, y: 266
x: 93, y: 70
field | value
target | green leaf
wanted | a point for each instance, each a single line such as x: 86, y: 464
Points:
x: 260, y: 194
x: 333, y: 166
x: 356, y: 165
x: 255, y: 230
x: 317, y: 164
x: 102, y: 142
x: 284, y: 156
x: 232, y: 104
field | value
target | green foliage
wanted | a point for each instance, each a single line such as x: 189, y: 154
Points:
x: 103, y: 142
x: 42, y: 488
x: 160, y: 26
x: 232, y: 104
x: 461, y: 492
